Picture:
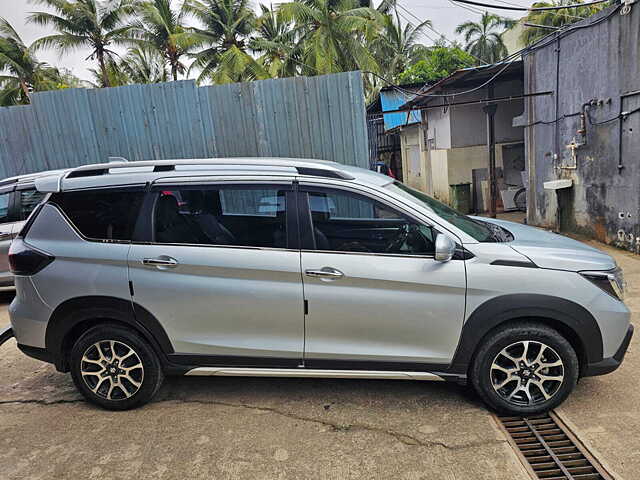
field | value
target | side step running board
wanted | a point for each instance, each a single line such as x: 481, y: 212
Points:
x: 317, y: 373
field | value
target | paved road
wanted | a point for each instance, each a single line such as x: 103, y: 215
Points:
x: 285, y: 428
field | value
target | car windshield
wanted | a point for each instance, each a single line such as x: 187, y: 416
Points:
x: 476, y: 229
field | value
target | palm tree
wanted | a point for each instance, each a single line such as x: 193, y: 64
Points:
x: 23, y: 73
x: 111, y: 76
x: 275, y: 41
x: 161, y: 27
x: 397, y: 47
x: 555, y: 18
x: 85, y: 24
x: 227, y: 25
x: 333, y: 34
x: 483, y: 40
x: 139, y: 66
x: 143, y: 66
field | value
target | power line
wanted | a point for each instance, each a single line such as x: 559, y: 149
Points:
x: 436, y: 32
x: 553, y: 13
x: 434, y: 95
x: 525, y: 9
x: 535, y: 25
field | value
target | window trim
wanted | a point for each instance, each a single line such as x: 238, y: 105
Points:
x: 306, y: 222
x: 143, y: 230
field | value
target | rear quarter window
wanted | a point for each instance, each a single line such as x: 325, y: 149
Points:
x: 101, y: 214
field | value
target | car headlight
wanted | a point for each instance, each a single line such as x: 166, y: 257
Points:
x: 611, y: 281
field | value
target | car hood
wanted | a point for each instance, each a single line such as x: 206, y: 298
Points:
x: 550, y: 250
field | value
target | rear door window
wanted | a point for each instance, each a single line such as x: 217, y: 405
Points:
x: 234, y: 215
x: 108, y: 214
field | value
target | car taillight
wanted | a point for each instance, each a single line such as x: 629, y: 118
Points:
x: 26, y: 260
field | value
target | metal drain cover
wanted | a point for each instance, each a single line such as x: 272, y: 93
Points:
x: 548, y: 450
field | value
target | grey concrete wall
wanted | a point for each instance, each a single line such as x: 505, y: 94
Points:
x: 598, y: 62
x: 469, y: 123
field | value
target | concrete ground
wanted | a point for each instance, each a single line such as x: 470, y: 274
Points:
x: 282, y: 428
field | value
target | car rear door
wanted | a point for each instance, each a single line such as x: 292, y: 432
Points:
x: 220, y: 270
x: 376, y: 297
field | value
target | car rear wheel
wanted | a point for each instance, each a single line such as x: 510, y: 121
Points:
x: 524, y: 369
x: 115, y: 368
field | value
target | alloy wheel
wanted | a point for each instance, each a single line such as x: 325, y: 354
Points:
x: 527, y: 373
x: 112, y: 370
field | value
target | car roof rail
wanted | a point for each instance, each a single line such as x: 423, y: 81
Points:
x: 307, y: 168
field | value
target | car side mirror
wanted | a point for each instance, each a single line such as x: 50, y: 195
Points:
x: 445, y: 248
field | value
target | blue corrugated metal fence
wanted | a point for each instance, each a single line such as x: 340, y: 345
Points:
x: 305, y: 117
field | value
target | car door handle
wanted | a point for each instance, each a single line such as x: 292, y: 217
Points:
x: 167, y: 262
x: 324, y: 272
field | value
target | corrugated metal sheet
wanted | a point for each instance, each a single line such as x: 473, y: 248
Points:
x: 306, y: 117
x: 393, y: 100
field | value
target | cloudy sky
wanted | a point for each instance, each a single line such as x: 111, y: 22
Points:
x: 443, y: 13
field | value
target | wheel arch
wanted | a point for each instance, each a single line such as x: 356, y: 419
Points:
x: 73, y: 317
x: 571, y: 320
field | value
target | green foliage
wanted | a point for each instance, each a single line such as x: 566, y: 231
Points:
x: 159, y: 26
x: 226, y: 26
x: 21, y: 73
x: 439, y: 63
x: 483, y: 40
x: 85, y: 24
x: 333, y: 34
x: 555, y: 18
x: 275, y: 40
x: 222, y: 41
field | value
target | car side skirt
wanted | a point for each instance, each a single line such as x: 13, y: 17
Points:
x: 315, y: 373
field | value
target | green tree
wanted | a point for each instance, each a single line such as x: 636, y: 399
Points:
x: 20, y: 71
x: 139, y: 66
x: 483, y: 39
x: 226, y: 27
x: 333, y: 34
x: 397, y: 47
x: 144, y: 65
x: 439, y: 62
x: 275, y: 41
x: 85, y: 24
x: 110, y: 76
x: 555, y: 18
x: 161, y: 27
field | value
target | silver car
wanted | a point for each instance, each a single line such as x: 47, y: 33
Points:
x: 300, y: 268
x: 18, y: 198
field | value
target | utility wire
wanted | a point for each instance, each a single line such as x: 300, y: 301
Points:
x: 430, y: 95
x: 543, y: 42
x: 553, y: 13
x: 435, y: 31
x: 525, y: 9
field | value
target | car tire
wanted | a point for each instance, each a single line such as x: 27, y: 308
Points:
x: 512, y: 385
x: 115, y: 368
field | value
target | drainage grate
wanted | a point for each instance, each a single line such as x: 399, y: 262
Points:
x: 549, y: 450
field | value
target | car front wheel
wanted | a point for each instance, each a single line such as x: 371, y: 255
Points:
x: 524, y: 369
x: 115, y: 368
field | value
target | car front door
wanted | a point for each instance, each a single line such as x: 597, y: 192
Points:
x: 221, y: 272
x: 376, y: 297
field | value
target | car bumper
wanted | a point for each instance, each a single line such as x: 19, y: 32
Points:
x: 608, y: 365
